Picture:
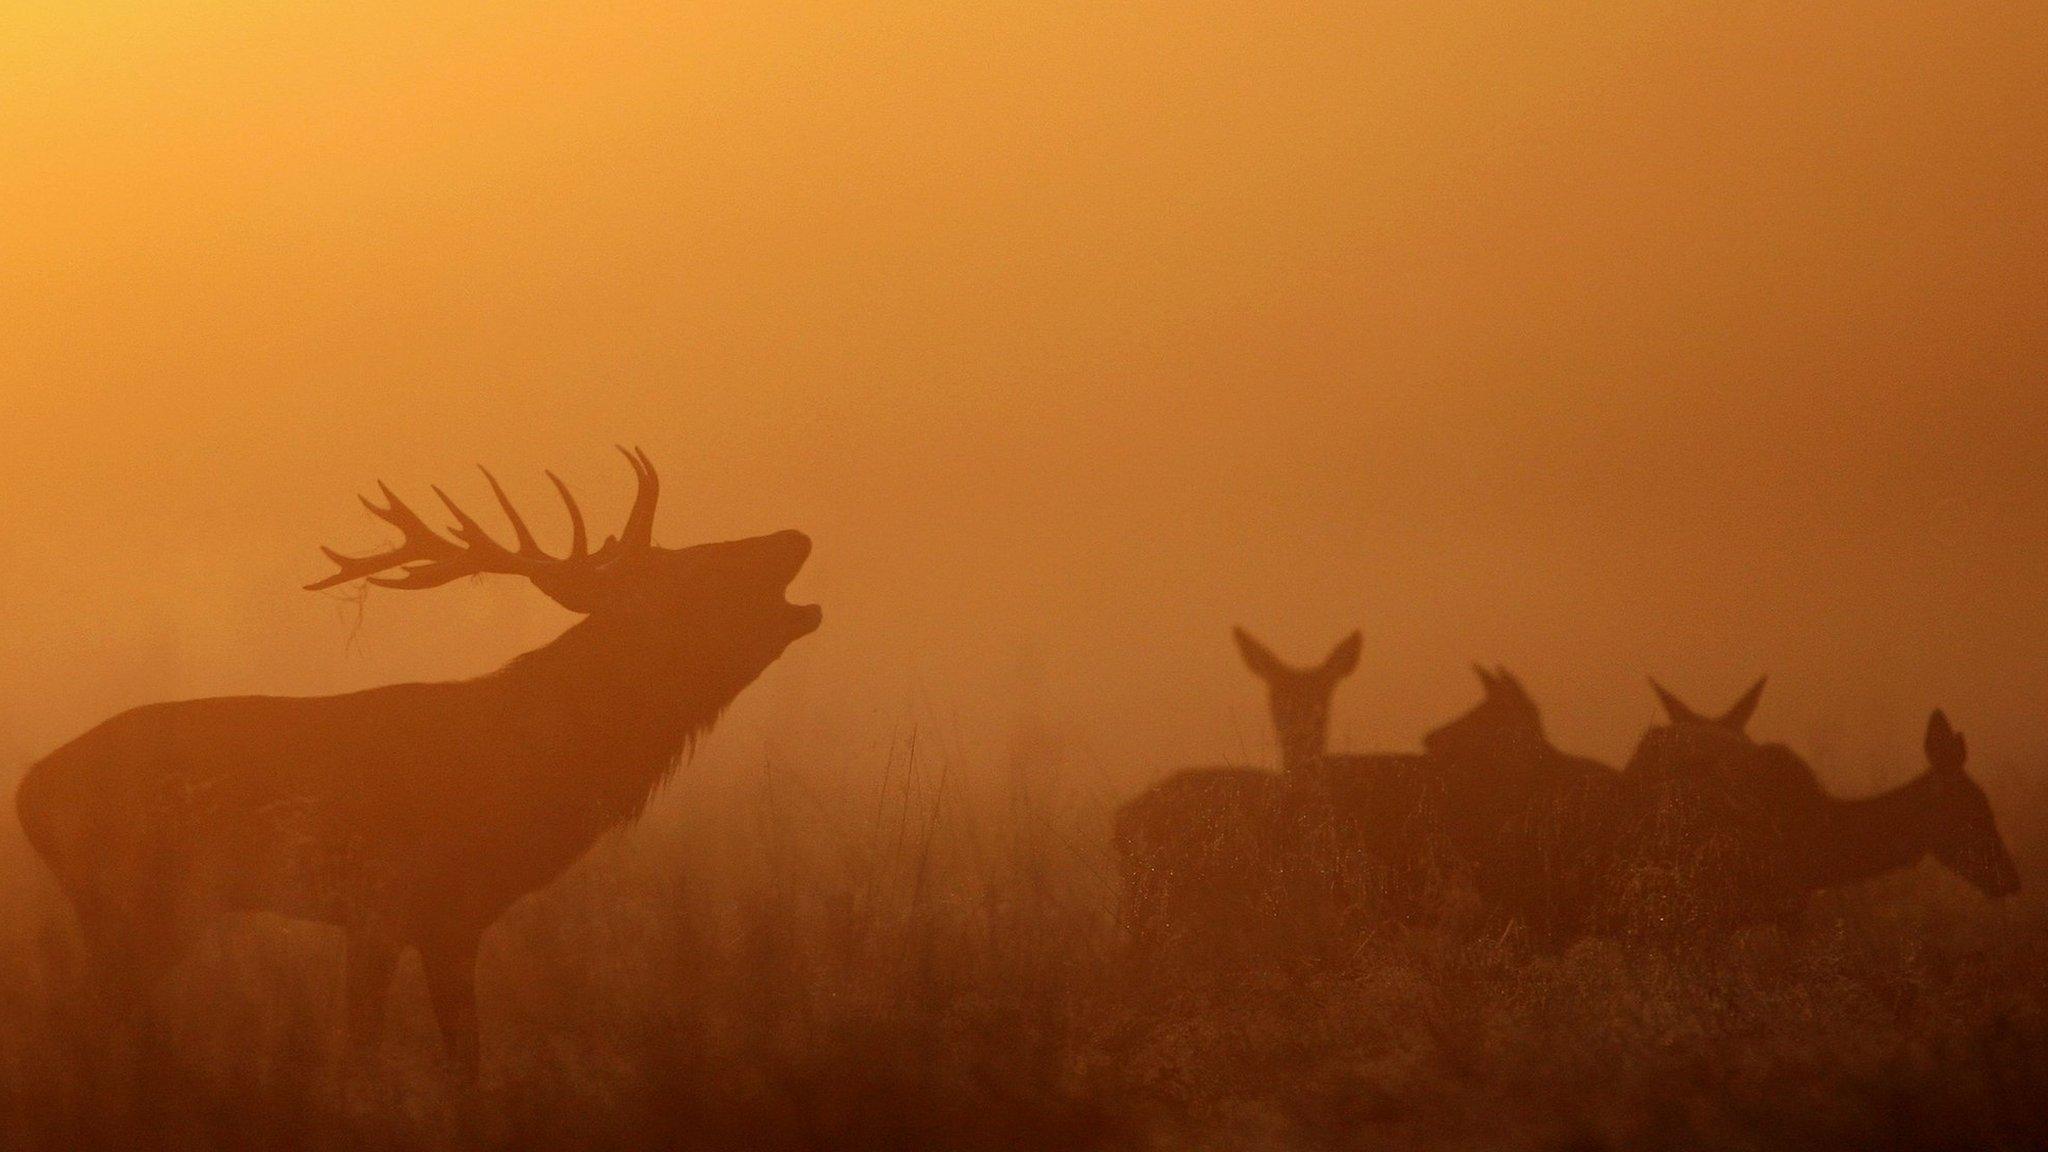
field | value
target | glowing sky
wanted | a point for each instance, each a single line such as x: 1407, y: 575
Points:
x: 1701, y: 340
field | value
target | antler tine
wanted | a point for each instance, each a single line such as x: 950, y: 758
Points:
x: 639, y: 530
x: 466, y: 530
x: 483, y: 552
x: 528, y: 546
x: 431, y: 574
x: 579, y: 542
x: 398, y: 514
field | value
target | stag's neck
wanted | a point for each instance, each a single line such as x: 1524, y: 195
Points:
x: 619, y: 706
x: 1857, y: 839
x: 1298, y: 754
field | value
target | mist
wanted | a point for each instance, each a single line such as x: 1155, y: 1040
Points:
x: 1688, y: 341
x: 1691, y: 343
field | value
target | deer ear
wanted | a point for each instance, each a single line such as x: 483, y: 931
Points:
x: 1737, y: 717
x: 1946, y: 749
x: 1486, y: 679
x: 1673, y: 706
x: 1343, y: 659
x: 1263, y: 664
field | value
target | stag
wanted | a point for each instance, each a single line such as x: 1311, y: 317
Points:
x: 1750, y: 829
x: 414, y: 815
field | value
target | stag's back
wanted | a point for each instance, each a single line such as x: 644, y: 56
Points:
x: 188, y: 806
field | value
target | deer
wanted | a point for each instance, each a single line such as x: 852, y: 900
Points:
x: 413, y: 815
x: 1197, y: 848
x: 1760, y: 835
x: 1490, y: 802
x: 1199, y: 841
x: 1942, y: 812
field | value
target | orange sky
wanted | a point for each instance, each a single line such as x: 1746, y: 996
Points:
x: 1701, y: 340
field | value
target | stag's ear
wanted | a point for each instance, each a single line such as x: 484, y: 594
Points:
x: 1673, y: 706
x: 1946, y: 750
x: 1263, y: 664
x: 1737, y: 717
x: 1343, y: 659
x: 1486, y: 679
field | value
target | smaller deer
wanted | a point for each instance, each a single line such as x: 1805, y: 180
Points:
x: 1752, y: 834
x: 1941, y: 813
x: 1198, y: 847
x: 1490, y: 802
x: 1708, y: 820
x: 1300, y: 697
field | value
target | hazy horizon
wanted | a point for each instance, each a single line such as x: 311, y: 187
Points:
x: 1698, y: 344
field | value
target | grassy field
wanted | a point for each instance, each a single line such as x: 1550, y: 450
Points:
x: 899, y: 961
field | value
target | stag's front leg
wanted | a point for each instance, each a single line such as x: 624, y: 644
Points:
x: 372, y: 956
x: 450, y: 966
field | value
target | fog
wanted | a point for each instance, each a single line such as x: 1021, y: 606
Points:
x: 1700, y: 341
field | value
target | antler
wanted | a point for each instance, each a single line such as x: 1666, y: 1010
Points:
x: 427, y: 559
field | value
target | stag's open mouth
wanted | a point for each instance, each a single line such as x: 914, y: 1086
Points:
x: 805, y: 618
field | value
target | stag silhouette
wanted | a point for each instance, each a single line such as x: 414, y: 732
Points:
x: 415, y: 814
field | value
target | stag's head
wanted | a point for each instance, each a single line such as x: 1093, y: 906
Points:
x: 1966, y: 838
x: 1505, y: 720
x: 728, y: 595
x: 1300, y: 697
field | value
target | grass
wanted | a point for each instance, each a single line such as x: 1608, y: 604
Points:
x: 912, y: 962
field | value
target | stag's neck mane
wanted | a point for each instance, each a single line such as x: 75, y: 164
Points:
x: 623, y: 706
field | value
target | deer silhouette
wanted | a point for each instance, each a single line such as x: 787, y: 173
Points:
x: 1489, y: 799
x: 1197, y: 848
x: 415, y: 814
x: 1756, y: 833
x: 1491, y: 804
x: 1942, y: 813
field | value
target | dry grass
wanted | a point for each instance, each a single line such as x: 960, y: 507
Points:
x: 908, y: 964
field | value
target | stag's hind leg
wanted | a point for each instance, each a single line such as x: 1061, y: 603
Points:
x: 129, y: 954
x: 372, y: 957
x: 450, y: 965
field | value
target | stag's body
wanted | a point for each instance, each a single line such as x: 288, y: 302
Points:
x: 412, y: 814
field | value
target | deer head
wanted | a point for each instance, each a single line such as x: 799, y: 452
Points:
x: 727, y: 594
x: 1735, y: 719
x: 1694, y: 746
x: 1965, y: 837
x: 1506, y: 717
x: 1300, y: 697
